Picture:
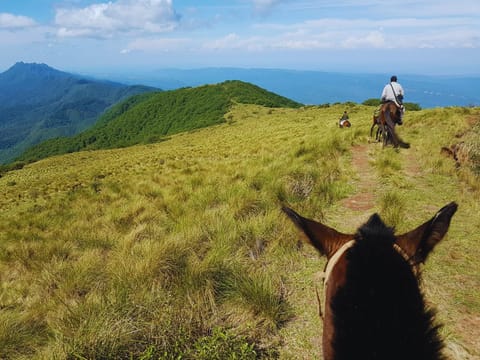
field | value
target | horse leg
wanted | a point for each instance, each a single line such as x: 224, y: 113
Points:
x: 378, y: 135
x: 373, y: 126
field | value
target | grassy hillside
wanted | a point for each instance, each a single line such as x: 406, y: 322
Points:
x: 179, y: 249
x: 149, y: 118
x: 38, y: 102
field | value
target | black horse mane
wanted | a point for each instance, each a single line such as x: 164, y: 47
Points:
x: 380, y: 312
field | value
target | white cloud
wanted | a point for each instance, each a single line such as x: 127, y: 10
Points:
x: 392, y: 8
x: 9, y: 21
x: 265, y: 6
x: 157, y: 45
x: 361, y: 34
x: 233, y: 41
x: 124, y: 16
x: 340, y: 33
x: 229, y: 41
x: 431, y: 8
x: 374, y: 39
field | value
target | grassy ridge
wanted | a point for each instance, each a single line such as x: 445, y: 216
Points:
x: 148, y: 118
x: 179, y: 248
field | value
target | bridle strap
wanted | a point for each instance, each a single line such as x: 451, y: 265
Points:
x: 326, y: 274
x: 407, y: 258
x: 334, y: 259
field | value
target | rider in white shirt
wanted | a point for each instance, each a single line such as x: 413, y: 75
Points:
x: 393, y: 91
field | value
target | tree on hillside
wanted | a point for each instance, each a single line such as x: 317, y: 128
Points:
x: 408, y: 105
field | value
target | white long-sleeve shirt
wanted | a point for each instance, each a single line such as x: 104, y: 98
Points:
x: 388, y: 94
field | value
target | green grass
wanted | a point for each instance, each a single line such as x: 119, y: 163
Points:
x: 180, y: 250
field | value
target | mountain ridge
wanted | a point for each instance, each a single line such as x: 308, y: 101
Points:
x: 38, y: 102
x: 150, y: 117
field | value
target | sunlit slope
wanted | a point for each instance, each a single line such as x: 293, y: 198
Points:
x: 143, y: 251
x: 148, y: 118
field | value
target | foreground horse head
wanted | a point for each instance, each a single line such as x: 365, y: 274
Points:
x: 374, y: 308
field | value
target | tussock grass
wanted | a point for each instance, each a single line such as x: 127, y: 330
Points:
x: 180, y: 250
x: 392, y: 209
x: 20, y: 333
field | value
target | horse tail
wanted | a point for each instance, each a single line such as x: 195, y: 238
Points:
x: 391, y: 126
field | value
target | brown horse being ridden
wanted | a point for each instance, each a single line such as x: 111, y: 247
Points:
x: 344, y: 124
x: 374, y: 308
x: 387, y: 118
x: 344, y: 121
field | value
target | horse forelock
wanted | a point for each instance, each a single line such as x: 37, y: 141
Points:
x: 375, y: 230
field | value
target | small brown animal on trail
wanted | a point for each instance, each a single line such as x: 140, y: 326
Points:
x: 374, y: 308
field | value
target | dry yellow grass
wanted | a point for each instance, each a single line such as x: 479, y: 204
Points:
x: 169, y: 241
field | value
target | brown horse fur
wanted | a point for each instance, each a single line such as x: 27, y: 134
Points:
x: 386, y: 120
x: 374, y: 308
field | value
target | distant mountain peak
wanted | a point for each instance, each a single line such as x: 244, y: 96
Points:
x: 38, y: 102
x: 38, y: 68
x: 24, y: 65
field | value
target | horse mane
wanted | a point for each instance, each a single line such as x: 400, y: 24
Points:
x: 380, y: 312
x: 391, y: 106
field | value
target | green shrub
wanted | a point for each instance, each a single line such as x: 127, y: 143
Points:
x: 372, y: 102
x: 412, y: 106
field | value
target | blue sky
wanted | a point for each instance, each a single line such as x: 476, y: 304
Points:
x: 374, y: 36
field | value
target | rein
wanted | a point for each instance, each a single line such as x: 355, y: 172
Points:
x: 336, y: 257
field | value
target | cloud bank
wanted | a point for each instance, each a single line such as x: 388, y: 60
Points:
x: 10, y: 21
x: 104, y: 20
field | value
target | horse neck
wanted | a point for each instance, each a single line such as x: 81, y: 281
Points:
x: 379, y: 312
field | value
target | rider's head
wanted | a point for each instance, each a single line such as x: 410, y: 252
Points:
x: 393, y: 79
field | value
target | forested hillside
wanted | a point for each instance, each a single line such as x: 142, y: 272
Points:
x: 38, y: 102
x: 148, y: 118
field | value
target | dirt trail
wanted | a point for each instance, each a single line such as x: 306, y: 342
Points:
x: 361, y: 205
x: 364, y: 199
x: 350, y: 213
x: 357, y: 208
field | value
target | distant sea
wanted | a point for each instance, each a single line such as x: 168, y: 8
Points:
x: 316, y: 87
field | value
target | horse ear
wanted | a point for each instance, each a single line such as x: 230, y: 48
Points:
x: 419, y: 242
x: 325, y: 239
